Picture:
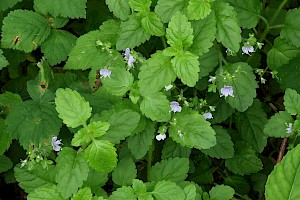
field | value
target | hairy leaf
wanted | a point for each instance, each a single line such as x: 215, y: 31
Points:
x: 46, y: 192
x: 153, y: 24
x: 5, y: 4
x: 5, y: 163
x: 120, y: 8
x: 124, y: 192
x: 221, y: 192
x: 165, y: 9
x: 198, y: 9
x: 125, y: 172
x: 292, y: 102
x: 277, y: 125
x: 83, y: 194
x: 171, y: 150
x: 167, y: 190
x: 3, y: 60
x: 291, y: 30
x: 5, y: 139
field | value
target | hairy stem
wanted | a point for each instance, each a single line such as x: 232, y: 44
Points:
x: 282, y: 150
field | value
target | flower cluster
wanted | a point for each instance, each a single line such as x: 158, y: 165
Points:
x: 129, y: 58
x: 105, y: 73
x: 226, y: 91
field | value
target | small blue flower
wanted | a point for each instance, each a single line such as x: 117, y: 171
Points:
x: 227, y: 91
x: 127, y: 53
x: 175, y: 107
x: 160, y: 137
x: 247, y: 50
x: 130, y: 61
x: 105, y: 73
x: 208, y: 115
x: 55, y: 143
x: 290, y: 128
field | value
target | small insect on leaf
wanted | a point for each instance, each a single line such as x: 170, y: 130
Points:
x: 17, y: 39
x: 98, y: 82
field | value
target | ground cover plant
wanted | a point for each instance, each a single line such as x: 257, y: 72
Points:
x: 149, y: 100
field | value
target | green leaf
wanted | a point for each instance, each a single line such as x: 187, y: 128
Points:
x: 277, y: 125
x: 167, y: 190
x: 3, y: 60
x: 71, y: 171
x: 46, y: 192
x: 281, y: 53
x: 228, y: 30
x: 5, y: 163
x: 291, y: 30
x: 5, y: 4
x: 244, y: 85
x: 72, y: 107
x: 186, y: 66
x: 58, y: 46
x: 239, y: 183
x: 190, y: 192
x: 172, y: 169
x: 8, y: 100
x: 109, y: 31
x: 87, y: 53
x: 171, y: 150
x: 5, y: 139
x: 292, y: 102
x: 179, y: 32
x: 221, y: 192
x: 289, y: 73
x: 283, y: 182
x: 224, y: 147
x: 140, y: 143
x: 138, y: 186
x: 204, y: 34
x: 125, y: 172
x: 196, y: 131
x: 101, y: 155
x: 153, y: 24
x: 166, y: 9
x: 83, y: 194
x: 95, y: 180
x: 156, y: 73
x: 250, y: 125
x: 131, y: 34
x: 24, y: 30
x: 141, y: 6
x: 245, y: 161
x: 122, y: 124
x: 63, y: 8
x: 120, y: 8
x: 248, y: 12
x: 37, y: 177
x: 32, y: 123
x: 123, y: 193
x: 198, y: 9
x: 156, y: 107
x: 119, y: 82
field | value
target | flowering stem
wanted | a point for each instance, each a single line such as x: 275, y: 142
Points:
x: 149, y: 162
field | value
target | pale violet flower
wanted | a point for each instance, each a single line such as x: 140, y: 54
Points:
x: 160, y: 137
x: 105, y: 73
x: 55, y: 143
x: 247, y: 50
x: 208, y: 115
x: 226, y: 91
x: 130, y: 61
x: 290, y: 128
x: 127, y: 53
x: 175, y: 107
x: 168, y: 87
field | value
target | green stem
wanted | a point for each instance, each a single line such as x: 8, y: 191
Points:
x: 245, y: 197
x: 164, y: 42
x: 149, y: 162
x: 277, y: 26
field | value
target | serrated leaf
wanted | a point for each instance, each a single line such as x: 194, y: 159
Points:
x: 32, y: 123
x: 123, y: 193
x: 155, y: 73
x: 156, y: 107
x: 250, y: 125
x: 87, y: 54
x: 29, y: 180
x: 281, y: 53
x: 224, y: 147
x: 245, y: 160
x: 101, y: 155
x: 204, y: 34
x: 165, y: 9
x: 120, y: 8
x: 243, y: 84
x: 141, y: 6
x: 3, y: 60
x: 125, y: 172
x: 290, y: 32
x: 119, y: 82
x: 172, y: 169
x: 95, y: 180
x: 5, y: 139
x: 198, y: 9
x: 179, y: 32
x: 58, y: 46
x: 283, y: 181
x: 140, y: 143
x: 289, y: 73
x: 8, y: 99
x: 196, y: 131
x: 63, y: 8
x: 72, y: 107
x: 171, y: 150
x: 277, y: 125
x: 5, y: 163
x: 247, y: 12
x: 239, y: 183
x: 190, y: 192
x: 167, y: 190
x: 228, y: 30
x: 186, y: 66
x: 109, y: 31
x: 71, y: 171
x: 83, y: 194
x: 292, y: 102
x: 46, y: 192
x: 221, y: 192
x: 138, y: 186
x: 5, y: 4
x: 153, y: 24
x: 131, y: 34
x: 24, y: 30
